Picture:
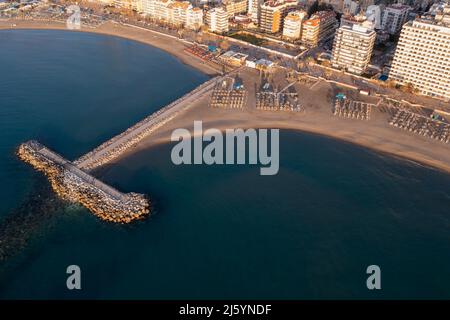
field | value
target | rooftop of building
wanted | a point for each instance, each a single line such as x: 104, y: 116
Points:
x: 180, y: 4
x: 277, y: 3
x: 323, y: 14
x: 318, y: 17
x: 398, y: 6
x: 358, y: 28
x: 353, y: 18
x: 296, y: 15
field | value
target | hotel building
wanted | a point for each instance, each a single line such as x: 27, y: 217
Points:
x: 352, y: 48
x: 292, y: 28
x: 318, y: 28
x: 422, y: 56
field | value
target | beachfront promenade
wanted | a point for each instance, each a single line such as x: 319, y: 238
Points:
x: 71, y: 181
x: 117, y: 145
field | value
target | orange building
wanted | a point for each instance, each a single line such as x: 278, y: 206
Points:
x: 319, y: 27
x: 272, y: 14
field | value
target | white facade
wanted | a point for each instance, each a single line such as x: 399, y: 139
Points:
x: 194, y: 18
x: 352, y: 48
x: 422, y: 58
x: 394, y: 17
x: 148, y: 7
x: 253, y: 9
x: 179, y: 13
x: 161, y: 10
x: 292, y: 27
x: 218, y: 20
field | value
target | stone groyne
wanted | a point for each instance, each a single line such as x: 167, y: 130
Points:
x: 74, y: 185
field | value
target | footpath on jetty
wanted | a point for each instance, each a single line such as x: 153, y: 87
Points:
x: 72, y: 182
x: 114, y: 147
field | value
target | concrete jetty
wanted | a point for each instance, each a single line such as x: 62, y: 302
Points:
x: 71, y: 181
x: 74, y: 185
x: 117, y: 145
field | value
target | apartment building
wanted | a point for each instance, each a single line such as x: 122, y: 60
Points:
x: 394, y: 17
x: 272, y: 14
x: 292, y: 27
x: 253, y: 9
x: 422, y: 57
x: 319, y: 27
x: 161, y: 10
x: 148, y: 7
x: 217, y: 20
x: 234, y: 7
x: 194, y: 18
x: 127, y: 4
x: 178, y: 13
x: 352, y: 47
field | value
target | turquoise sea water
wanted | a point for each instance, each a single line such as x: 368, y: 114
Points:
x: 218, y: 231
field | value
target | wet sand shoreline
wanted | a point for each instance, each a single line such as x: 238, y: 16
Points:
x: 152, y: 38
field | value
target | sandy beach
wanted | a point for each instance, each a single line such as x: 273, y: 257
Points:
x: 155, y: 39
x: 375, y: 134
x: 317, y: 118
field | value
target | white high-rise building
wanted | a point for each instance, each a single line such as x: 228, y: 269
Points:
x: 194, y: 18
x: 253, y: 9
x: 217, y: 20
x: 352, y: 47
x: 292, y: 27
x: 394, y: 17
x: 422, y: 57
